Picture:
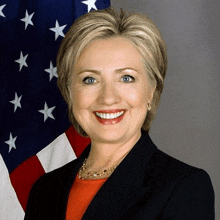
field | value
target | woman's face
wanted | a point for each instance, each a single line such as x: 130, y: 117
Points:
x: 110, y: 90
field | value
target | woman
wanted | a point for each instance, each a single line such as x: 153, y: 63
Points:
x: 111, y: 70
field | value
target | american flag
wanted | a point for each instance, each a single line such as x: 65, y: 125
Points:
x: 35, y: 134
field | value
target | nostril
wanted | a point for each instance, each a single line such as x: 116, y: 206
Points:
x: 108, y: 95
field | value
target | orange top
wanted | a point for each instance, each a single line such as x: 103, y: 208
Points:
x: 81, y: 194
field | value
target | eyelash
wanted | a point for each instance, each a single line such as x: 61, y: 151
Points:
x: 133, y: 79
x: 86, y: 78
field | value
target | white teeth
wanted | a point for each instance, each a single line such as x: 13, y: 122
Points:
x: 109, y: 115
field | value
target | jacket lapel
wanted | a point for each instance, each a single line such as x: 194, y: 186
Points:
x: 65, y: 182
x: 125, y: 186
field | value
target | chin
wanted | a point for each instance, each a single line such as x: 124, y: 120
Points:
x: 108, y: 136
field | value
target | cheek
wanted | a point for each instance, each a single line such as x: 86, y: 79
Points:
x: 81, y: 100
x: 136, y: 97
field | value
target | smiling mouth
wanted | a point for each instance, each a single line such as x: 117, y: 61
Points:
x: 109, y: 116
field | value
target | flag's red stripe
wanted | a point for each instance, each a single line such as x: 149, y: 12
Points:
x: 77, y: 142
x: 24, y: 176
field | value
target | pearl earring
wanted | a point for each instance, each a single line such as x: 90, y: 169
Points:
x: 148, y: 106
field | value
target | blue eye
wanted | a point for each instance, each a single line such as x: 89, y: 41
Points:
x: 128, y: 78
x: 88, y: 80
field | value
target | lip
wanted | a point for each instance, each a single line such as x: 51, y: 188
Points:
x: 110, y: 121
x: 110, y: 111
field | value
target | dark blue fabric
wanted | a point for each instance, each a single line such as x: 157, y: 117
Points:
x: 147, y: 184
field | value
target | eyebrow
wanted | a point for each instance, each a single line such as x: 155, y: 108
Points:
x: 99, y: 72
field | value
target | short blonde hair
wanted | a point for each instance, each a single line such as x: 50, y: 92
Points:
x: 106, y: 23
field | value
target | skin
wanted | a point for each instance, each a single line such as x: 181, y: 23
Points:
x: 111, y: 64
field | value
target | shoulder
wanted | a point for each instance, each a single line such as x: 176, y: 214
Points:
x: 162, y: 166
x: 176, y: 190
x: 186, y: 187
x: 57, y: 174
x: 52, y: 181
x: 168, y: 167
x: 59, y: 178
x: 166, y: 172
x: 49, y: 189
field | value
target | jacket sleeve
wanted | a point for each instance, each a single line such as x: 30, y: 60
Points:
x: 192, y: 199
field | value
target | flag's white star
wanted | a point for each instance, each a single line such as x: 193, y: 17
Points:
x: 1, y: 8
x: 16, y: 101
x: 47, y: 111
x: 11, y: 142
x: 52, y: 70
x: 58, y: 30
x: 90, y: 4
x: 22, y: 61
x: 27, y: 19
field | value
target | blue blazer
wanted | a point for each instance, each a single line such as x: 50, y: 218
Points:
x: 148, y: 184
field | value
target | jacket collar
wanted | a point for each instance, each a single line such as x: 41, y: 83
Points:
x: 122, y: 187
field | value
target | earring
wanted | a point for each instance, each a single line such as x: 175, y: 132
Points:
x: 148, y: 106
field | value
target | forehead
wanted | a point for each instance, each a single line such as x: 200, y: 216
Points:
x: 115, y: 51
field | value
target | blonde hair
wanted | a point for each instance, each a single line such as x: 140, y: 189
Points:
x: 106, y: 23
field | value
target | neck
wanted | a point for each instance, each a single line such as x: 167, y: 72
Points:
x: 105, y: 155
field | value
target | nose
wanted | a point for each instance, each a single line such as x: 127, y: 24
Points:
x: 109, y: 94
